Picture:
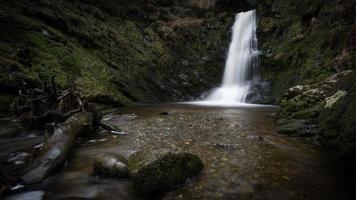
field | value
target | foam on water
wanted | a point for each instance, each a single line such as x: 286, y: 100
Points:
x: 239, y: 66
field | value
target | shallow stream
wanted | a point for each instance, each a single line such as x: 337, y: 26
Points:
x: 244, y: 157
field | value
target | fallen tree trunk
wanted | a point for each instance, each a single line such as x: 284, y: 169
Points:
x: 55, y: 151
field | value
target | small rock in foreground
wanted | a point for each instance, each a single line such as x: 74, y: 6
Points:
x: 111, y: 166
x: 163, y: 113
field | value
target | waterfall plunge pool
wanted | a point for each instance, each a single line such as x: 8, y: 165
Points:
x: 259, y: 165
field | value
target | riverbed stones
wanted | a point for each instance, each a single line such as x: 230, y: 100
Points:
x: 159, y: 170
x: 110, y: 166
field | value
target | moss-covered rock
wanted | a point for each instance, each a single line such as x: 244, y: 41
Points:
x: 338, y: 119
x: 300, y: 41
x: 297, y: 127
x: 159, y: 170
x: 330, y: 101
x: 324, y: 111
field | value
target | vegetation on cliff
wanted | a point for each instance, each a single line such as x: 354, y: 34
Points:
x: 304, y: 44
x: 113, y: 51
x: 301, y: 39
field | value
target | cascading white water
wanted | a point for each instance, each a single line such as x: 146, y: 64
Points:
x: 240, y: 63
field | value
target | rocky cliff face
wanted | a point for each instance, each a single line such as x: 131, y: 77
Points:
x: 323, y: 112
x: 115, y: 51
x: 302, y: 43
x: 301, y: 39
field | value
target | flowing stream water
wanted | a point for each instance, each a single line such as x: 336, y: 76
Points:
x: 244, y: 157
x: 240, y: 64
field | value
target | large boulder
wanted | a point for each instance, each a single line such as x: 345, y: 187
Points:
x: 159, y: 170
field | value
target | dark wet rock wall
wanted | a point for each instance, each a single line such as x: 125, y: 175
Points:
x: 115, y: 51
x: 300, y: 43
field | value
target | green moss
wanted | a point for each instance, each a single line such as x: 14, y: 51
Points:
x: 50, y: 59
x: 268, y: 24
x: 338, y: 121
x: 161, y: 170
x: 96, y: 82
x: 306, y: 38
x: 119, y: 51
x: 311, y: 112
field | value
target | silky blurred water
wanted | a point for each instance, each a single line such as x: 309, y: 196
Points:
x: 240, y: 63
x: 244, y: 157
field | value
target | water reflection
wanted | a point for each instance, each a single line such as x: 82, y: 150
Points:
x: 259, y: 165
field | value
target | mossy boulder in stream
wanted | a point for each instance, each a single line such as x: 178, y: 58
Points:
x: 159, y: 170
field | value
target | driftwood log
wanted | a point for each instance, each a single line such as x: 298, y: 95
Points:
x: 56, y: 149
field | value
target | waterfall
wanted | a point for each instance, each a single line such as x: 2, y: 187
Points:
x: 240, y: 63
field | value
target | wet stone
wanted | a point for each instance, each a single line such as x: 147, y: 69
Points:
x: 34, y: 195
x: 110, y: 166
x: 17, y: 158
x: 163, y: 113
